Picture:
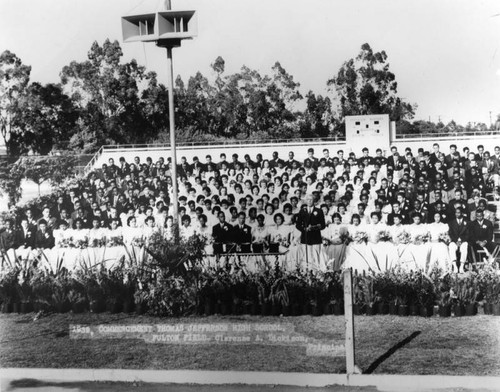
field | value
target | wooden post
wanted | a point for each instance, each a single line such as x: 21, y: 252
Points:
x: 349, y: 323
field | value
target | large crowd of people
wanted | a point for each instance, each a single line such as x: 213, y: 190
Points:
x: 410, y: 208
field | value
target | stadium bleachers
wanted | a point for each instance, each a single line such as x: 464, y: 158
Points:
x: 127, y: 193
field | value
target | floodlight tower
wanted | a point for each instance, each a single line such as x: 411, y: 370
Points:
x: 167, y: 29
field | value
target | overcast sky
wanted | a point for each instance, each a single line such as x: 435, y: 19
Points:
x: 445, y: 54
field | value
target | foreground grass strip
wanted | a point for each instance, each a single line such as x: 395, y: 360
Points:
x: 454, y: 346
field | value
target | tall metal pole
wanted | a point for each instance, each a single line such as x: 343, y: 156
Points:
x: 173, y: 152
x: 167, y: 5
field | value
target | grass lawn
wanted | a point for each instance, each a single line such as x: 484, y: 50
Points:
x: 384, y: 345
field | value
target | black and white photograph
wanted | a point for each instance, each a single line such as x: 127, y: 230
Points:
x: 249, y: 195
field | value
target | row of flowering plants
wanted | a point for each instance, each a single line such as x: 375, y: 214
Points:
x: 406, y: 293
x: 70, y: 242
x: 174, y: 280
x: 403, y: 237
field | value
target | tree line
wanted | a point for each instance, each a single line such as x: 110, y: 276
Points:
x: 104, y: 100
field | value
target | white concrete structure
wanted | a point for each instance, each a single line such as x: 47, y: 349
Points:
x: 471, y: 140
x: 370, y: 131
x: 201, y: 151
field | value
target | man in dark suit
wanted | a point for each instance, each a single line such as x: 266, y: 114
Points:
x: 454, y: 155
x: 458, y: 202
x: 242, y: 234
x: 404, y: 203
x: 421, y: 210
x: 8, y: 236
x: 291, y: 160
x: 310, y: 222
x: 490, y: 167
x: 365, y: 157
x: 25, y: 236
x: 394, y: 160
x: 274, y: 162
x: 459, y: 235
x: 310, y: 156
x: 481, y: 233
x: 389, y: 193
x: 222, y: 233
x: 43, y: 238
x: 404, y: 217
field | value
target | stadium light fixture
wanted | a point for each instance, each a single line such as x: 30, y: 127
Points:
x: 167, y: 29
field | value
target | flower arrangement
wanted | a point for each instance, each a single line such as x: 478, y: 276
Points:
x: 8, y: 285
x: 285, y: 243
x: 138, y: 241
x: 97, y: 243
x: 345, y: 238
x: 65, y: 243
x: 80, y: 244
x: 360, y: 237
x: 384, y: 236
x: 281, y: 240
x: 420, y: 239
x: 444, y: 238
x: 114, y: 241
x: 465, y: 290
x: 403, y: 238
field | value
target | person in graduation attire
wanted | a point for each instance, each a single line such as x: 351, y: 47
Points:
x: 242, y: 234
x: 310, y: 222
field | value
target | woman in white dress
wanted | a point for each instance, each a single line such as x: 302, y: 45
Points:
x: 327, y: 214
x: 114, y: 235
x: 296, y: 256
x: 380, y: 249
x: 186, y: 230
x: 269, y: 215
x: 96, y: 251
x: 134, y: 242
x: 223, y: 193
x: 265, y: 168
x: 80, y: 235
x: 357, y: 249
x: 401, y: 242
x: 149, y: 230
x: 97, y: 235
x: 168, y: 229
x: 80, y: 242
x: 260, y: 235
x: 260, y: 241
x: 287, y: 214
x: 439, y: 240
x: 279, y: 234
x: 206, y: 233
x: 132, y: 235
x: 63, y: 238
x: 333, y: 242
x: 419, y: 247
x: 344, y: 214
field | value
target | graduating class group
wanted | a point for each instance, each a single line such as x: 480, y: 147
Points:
x: 369, y: 212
